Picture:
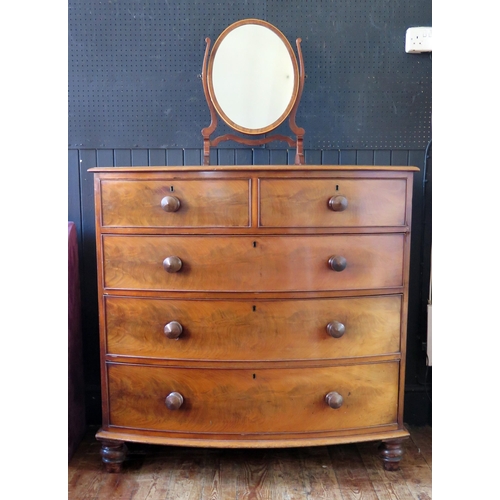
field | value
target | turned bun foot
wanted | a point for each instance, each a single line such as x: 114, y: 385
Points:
x: 113, y: 454
x: 391, y: 453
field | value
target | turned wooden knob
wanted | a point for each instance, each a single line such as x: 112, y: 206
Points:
x: 173, y: 330
x: 174, y: 401
x: 172, y: 264
x: 337, y: 203
x: 334, y: 400
x: 170, y: 204
x: 337, y: 263
x: 335, y: 329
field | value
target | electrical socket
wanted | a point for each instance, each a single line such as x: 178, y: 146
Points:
x: 418, y: 39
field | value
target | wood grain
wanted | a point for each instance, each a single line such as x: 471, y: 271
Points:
x: 256, y: 330
x: 388, y: 485
x: 320, y: 480
x: 416, y: 469
x: 422, y: 437
x: 354, y: 481
x: 239, y: 401
x: 260, y: 263
x: 304, y: 203
x: 254, y: 292
x: 310, y: 473
x: 214, y: 203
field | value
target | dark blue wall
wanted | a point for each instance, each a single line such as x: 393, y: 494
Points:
x: 135, y: 98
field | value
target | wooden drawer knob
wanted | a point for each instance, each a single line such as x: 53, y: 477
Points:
x: 173, y: 330
x: 337, y: 203
x: 337, y: 263
x: 172, y: 264
x: 174, y: 401
x: 334, y: 400
x: 335, y: 329
x: 170, y: 204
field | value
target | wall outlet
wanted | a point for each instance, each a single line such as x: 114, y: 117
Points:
x: 418, y: 39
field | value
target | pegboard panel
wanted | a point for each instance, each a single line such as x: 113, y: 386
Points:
x: 134, y: 71
x: 362, y: 90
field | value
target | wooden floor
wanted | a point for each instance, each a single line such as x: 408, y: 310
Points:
x: 343, y: 472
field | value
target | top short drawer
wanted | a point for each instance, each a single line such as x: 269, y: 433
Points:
x: 305, y: 202
x: 203, y: 203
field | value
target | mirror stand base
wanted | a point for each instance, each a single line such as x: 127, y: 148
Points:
x: 297, y: 144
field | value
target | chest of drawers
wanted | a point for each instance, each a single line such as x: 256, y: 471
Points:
x: 251, y: 306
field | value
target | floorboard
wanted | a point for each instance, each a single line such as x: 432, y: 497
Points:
x: 343, y: 472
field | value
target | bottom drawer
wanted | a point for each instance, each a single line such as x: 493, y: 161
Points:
x: 252, y: 401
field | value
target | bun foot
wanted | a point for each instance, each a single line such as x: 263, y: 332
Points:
x: 391, y: 453
x: 113, y: 455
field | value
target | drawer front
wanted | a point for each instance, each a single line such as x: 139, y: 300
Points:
x: 304, y: 202
x: 253, y: 330
x: 243, y: 263
x: 203, y: 203
x: 253, y: 401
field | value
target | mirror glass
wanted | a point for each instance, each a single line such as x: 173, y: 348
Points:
x: 253, y: 76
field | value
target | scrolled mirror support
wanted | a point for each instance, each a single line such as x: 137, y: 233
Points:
x: 207, y: 131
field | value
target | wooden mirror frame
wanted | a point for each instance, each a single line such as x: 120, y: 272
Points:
x: 216, y: 110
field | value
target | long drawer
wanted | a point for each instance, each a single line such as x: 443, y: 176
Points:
x: 253, y: 401
x: 254, y: 263
x: 201, y: 203
x: 354, y: 202
x: 252, y: 330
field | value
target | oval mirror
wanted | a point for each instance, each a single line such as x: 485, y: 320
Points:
x: 252, y: 76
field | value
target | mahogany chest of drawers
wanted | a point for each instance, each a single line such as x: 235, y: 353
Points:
x: 249, y: 306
